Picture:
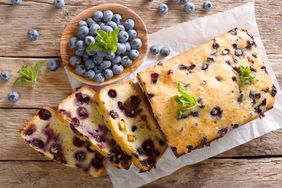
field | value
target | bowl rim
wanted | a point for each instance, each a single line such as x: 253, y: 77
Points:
x: 68, y: 33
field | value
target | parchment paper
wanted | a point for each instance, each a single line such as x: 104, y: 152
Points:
x: 179, y: 38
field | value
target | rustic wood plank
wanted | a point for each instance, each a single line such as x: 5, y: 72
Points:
x: 51, y: 88
x: 50, y: 22
x: 12, y: 147
x: 210, y: 173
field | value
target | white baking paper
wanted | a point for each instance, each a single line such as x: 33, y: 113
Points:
x: 180, y: 38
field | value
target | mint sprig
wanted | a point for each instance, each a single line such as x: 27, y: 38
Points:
x: 107, y: 41
x: 28, y: 75
x: 185, y: 101
x: 245, y: 76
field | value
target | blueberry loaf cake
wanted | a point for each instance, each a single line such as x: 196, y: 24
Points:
x: 80, y: 112
x: 200, y: 95
x: 131, y: 122
x: 54, y: 139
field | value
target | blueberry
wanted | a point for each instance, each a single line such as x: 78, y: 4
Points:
x: 108, y: 73
x: 126, y: 61
x: 121, y: 48
x: 13, y: 96
x: 105, y: 64
x: 163, y: 8
x: 128, y: 46
x: 59, y: 3
x: 82, y: 23
x: 165, y: 51
x: 79, y: 52
x: 129, y: 24
x: 99, y: 78
x: 80, y: 44
x: 117, y: 69
x: 89, y: 39
x: 189, y: 7
x: 110, y: 56
x: 83, y: 32
x: 207, y: 5
x: 117, y: 18
x: 89, y: 64
x: 85, y: 57
x: 102, y: 24
x: 136, y: 43
x: 101, y: 53
x: 122, y: 36
x: 32, y: 34
x: 132, y: 34
x: 133, y: 54
x: 72, y: 42
x: 184, y: 1
x: 53, y: 64
x: 5, y: 75
x: 108, y: 15
x: 121, y: 27
x: 112, y: 24
x: 80, y: 69
x: 93, y: 28
x: 98, y: 16
x: 175, y: 1
x: 107, y: 28
x: 154, y: 50
x: 89, y: 74
x: 75, y: 60
x: 116, y: 60
x: 91, y: 52
x: 90, y: 22
x: 97, y: 59
x: 16, y: 2
x: 97, y: 69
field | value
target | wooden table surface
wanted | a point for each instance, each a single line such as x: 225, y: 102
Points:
x: 255, y: 164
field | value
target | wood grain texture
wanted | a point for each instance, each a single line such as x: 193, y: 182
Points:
x: 51, y: 22
x: 12, y: 147
x: 71, y: 30
x: 50, y: 89
x: 210, y: 173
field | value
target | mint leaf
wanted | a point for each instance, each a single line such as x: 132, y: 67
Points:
x: 106, y: 42
x: 185, y: 101
x: 28, y: 75
x: 245, y: 76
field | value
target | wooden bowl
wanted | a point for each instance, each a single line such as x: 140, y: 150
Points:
x: 71, y: 30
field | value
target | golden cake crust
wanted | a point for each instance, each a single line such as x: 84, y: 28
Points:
x: 210, y: 73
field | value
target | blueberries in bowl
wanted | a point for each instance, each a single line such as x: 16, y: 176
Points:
x: 104, y: 46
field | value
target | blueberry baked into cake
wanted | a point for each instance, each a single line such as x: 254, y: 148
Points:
x: 200, y: 95
x: 54, y: 139
x: 131, y: 122
x: 80, y: 112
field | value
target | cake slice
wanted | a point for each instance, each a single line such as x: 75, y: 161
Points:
x: 80, y: 112
x: 201, y: 94
x: 54, y: 139
x: 131, y: 123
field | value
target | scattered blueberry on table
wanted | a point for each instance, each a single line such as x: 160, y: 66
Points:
x: 184, y: 1
x: 53, y: 64
x: 175, y: 1
x: 154, y: 50
x: 32, y: 34
x: 5, y: 75
x: 165, y: 51
x: 207, y: 5
x: 59, y: 3
x: 189, y: 7
x: 13, y: 96
x: 163, y: 8
x: 16, y: 2
x: 98, y: 60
